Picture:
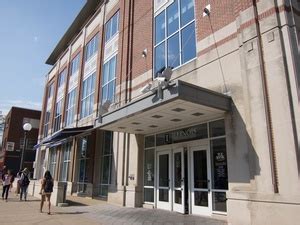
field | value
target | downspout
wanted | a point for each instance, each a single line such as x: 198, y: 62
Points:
x: 270, y: 132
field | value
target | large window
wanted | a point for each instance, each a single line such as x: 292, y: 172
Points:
x: 70, y: 111
x: 50, y: 90
x: 62, y: 78
x: 149, y: 169
x: 66, y: 159
x: 91, y: 48
x: 109, y: 80
x: 58, y: 115
x: 85, y: 166
x: 52, y: 161
x: 46, y: 123
x: 174, y: 38
x: 107, y: 153
x: 112, y: 27
x: 75, y: 64
x: 87, y: 99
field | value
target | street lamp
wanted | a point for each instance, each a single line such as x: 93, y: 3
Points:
x: 26, y: 127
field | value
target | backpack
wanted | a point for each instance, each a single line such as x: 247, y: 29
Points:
x: 48, y: 186
x: 25, y: 180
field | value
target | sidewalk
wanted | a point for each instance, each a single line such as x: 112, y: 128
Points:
x: 15, y: 212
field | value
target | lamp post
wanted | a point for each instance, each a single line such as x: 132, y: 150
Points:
x: 26, y: 127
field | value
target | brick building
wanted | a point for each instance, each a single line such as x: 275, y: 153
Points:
x: 13, y: 138
x: 184, y: 105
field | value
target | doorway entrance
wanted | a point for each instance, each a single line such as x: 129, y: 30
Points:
x: 183, y: 180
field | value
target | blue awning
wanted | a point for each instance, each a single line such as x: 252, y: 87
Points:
x: 62, y: 136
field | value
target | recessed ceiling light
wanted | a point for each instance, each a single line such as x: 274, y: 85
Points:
x: 121, y: 127
x: 178, y: 109
x: 153, y: 126
x: 135, y: 123
x: 197, y: 114
x: 157, y: 116
x: 176, y: 120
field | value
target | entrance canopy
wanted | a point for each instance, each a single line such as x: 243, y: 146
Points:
x: 182, y: 104
x: 61, y: 136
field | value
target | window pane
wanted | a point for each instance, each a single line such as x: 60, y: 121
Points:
x: 173, y: 18
x: 148, y: 194
x: 173, y: 51
x: 105, y: 73
x: 201, y: 198
x: 187, y: 11
x: 188, y: 43
x: 111, y: 91
x: 149, y: 141
x: 108, y: 135
x: 105, y: 170
x: 112, y: 69
x: 164, y: 170
x: 104, y: 93
x: 149, y: 168
x: 163, y: 195
x: 159, y: 61
x: 219, y: 164
x: 217, y: 128
x: 114, y: 24
x: 219, y: 201
x: 104, y: 190
x: 160, y: 26
x: 200, y: 169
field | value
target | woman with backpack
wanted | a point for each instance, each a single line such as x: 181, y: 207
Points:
x: 24, y: 183
x: 6, y: 179
x: 46, y: 190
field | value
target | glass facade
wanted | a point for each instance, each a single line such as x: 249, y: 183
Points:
x: 174, y: 38
x: 84, y: 162
x: 112, y: 27
x: 52, y: 161
x: 109, y: 80
x: 66, y: 159
x: 70, y: 111
x: 214, y: 133
x: 92, y: 47
x: 107, y: 154
x: 58, y: 115
x: 75, y: 64
x: 62, y: 78
x: 87, y: 98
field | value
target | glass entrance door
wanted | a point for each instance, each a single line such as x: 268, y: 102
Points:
x: 163, y: 176
x: 200, y: 182
x: 178, y: 181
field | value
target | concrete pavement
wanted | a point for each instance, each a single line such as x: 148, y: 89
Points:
x: 91, y: 212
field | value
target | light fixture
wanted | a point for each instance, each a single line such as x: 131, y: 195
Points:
x: 27, y: 127
x: 144, y: 53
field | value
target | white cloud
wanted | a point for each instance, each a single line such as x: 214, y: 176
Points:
x: 5, y: 105
x: 35, y: 38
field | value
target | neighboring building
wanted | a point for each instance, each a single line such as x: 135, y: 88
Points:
x: 13, y: 138
x: 221, y: 138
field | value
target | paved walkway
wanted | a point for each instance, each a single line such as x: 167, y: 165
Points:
x: 14, y: 212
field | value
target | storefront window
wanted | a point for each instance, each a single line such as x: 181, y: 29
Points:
x: 65, y: 161
x: 149, y: 169
x: 107, y: 154
x: 219, y: 174
x: 216, y: 128
x: 52, y: 161
x: 84, y: 164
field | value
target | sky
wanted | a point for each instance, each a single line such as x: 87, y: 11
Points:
x: 29, y: 31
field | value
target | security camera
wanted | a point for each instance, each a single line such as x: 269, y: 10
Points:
x: 146, y: 88
x: 207, y: 10
x: 161, y: 79
x: 144, y: 53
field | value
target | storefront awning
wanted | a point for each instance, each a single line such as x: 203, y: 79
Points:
x: 183, y: 104
x: 61, y: 136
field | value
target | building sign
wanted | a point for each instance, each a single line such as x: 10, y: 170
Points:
x: 182, y: 135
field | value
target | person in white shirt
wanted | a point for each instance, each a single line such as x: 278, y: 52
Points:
x: 7, y: 177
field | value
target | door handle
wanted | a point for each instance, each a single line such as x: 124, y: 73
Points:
x: 208, y: 185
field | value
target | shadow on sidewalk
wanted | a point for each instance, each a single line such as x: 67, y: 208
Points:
x: 67, y: 213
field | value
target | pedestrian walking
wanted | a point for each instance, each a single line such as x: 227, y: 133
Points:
x: 24, y: 183
x: 6, y: 181
x: 46, y: 190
